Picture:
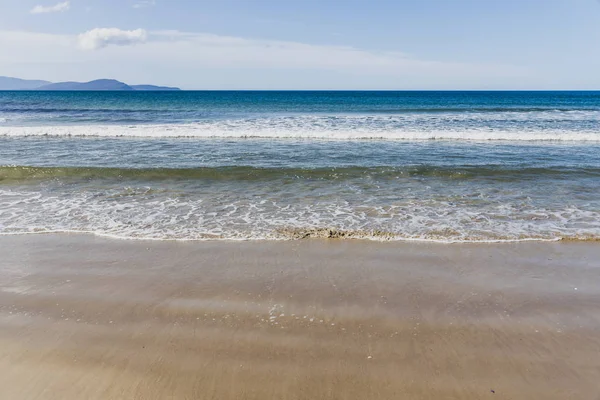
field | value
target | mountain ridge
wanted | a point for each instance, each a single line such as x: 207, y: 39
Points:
x: 8, y: 83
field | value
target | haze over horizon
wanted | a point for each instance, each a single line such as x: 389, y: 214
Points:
x: 266, y: 44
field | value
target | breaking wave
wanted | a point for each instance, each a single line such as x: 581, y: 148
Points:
x: 474, y: 127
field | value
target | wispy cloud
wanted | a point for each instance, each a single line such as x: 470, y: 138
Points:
x: 228, y: 51
x: 103, y: 37
x: 204, y: 60
x: 144, y: 3
x: 60, y: 7
x: 218, y: 51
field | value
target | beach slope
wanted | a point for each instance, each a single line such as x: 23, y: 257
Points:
x: 83, y: 317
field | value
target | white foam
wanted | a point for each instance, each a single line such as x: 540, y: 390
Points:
x: 209, y: 217
x: 314, y: 128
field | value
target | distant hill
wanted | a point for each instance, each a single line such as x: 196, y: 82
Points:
x: 152, y: 87
x: 7, y: 83
x: 100, y: 84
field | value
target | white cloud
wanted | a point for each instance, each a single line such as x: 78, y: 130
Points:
x: 208, y: 61
x: 60, y: 7
x: 102, y: 37
x: 228, y: 51
x: 144, y: 3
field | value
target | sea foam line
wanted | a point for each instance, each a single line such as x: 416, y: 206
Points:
x: 203, y: 131
x: 283, y: 239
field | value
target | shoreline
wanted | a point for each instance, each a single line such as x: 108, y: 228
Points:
x: 336, y: 235
x: 83, y: 316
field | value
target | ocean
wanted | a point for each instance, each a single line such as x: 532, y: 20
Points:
x: 424, y: 166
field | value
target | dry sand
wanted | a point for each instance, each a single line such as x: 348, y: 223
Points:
x: 89, y: 318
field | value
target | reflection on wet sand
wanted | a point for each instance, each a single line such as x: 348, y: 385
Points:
x: 83, y: 317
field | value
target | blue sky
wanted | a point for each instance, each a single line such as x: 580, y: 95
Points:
x: 268, y: 44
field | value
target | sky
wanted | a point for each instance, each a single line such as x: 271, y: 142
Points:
x: 307, y: 44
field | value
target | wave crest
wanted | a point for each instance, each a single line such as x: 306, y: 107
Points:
x: 315, y: 130
x: 23, y: 174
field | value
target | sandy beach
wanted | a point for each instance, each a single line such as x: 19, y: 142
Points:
x: 83, y: 317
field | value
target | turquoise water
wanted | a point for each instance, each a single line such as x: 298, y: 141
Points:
x: 434, y: 166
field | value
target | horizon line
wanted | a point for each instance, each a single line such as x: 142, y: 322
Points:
x: 311, y: 90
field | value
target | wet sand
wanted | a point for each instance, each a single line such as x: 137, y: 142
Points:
x: 83, y: 317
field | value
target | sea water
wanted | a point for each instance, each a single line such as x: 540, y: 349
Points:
x: 432, y: 166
